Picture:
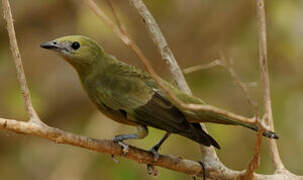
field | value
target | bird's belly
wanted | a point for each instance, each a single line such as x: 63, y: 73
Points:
x: 116, y: 115
x: 113, y: 114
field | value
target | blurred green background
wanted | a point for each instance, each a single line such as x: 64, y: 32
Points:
x: 196, y: 31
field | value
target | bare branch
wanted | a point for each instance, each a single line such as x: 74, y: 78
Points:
x: 254, y: 163
x: 18, y: 63
x: 110, y: 4
x: 212, y: 64
x: 104, y: 146
x: 265, y: 81
x: 141, y: 156
x: 162, y: 45
x: 228, y: 65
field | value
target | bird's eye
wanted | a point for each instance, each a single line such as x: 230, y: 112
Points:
x: 75, y: 45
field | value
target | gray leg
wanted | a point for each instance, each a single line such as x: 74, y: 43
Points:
x: 141, y: 133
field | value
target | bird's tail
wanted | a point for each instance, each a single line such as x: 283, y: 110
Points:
x: 200, y: 136
x: 212, y: 117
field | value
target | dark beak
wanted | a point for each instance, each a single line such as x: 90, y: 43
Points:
x: 50, y: 45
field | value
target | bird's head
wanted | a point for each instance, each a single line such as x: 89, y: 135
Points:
x: 80, y: 51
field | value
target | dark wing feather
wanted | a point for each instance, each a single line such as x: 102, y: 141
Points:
x: 161, y: 114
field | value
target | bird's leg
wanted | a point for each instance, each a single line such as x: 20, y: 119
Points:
x: 203, y: 168
x: 156, y: 147
x: 150, y: 168
x: 141, y: 133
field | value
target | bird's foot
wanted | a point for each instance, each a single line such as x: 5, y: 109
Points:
x: 125, y: 147
x: 203, y: 170
x: 270, y: 134
x: 119, y: 140
x: 151, y: 170
x: 115, y: 159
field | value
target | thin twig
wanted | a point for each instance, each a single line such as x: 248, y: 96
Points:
x: 18, y: 63
x: 160, y: 41
x: 254, y: 163
x: 265, y: 81
x: 227, y: 63
x: 110, y: 4
x: 212, y: 64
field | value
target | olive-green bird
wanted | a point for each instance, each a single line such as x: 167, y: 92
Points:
x: 129, y: 95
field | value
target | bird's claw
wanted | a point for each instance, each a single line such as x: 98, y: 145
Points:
x: 270, y: 134
x: 119, y: 140
x: 151, y: 170
x: 203, y: 170
x: 115, y: 159
x: 124, y: 147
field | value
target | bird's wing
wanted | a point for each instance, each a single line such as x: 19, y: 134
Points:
x: 134, y: 91
x: 123, y: 86
x: 196, y: 116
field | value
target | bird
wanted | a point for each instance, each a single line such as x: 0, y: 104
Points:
x: 129, y: 95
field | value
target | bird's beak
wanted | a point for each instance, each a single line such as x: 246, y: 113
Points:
x: 50, y: 45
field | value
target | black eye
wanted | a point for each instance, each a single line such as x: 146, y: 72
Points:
x: 75, y: 45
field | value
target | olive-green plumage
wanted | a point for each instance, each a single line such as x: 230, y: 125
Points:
x: 129, y: 95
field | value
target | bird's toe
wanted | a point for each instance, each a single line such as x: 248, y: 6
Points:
x: 270, y: 134
x: 151, y: 170
x: 125, y: 147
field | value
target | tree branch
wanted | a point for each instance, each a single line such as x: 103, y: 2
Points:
x: 265, y: 81
x: 228, y: 65
x: 160, y: 41
x: 18, y: 63
x: 99, y: 145
x: 109, y: 147
x: 199, y: 67
x: 110, y: 4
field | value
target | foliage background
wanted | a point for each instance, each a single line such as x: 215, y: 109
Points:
x: 197, y: 31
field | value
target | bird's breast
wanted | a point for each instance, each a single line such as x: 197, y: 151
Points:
x: 116, y: 115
